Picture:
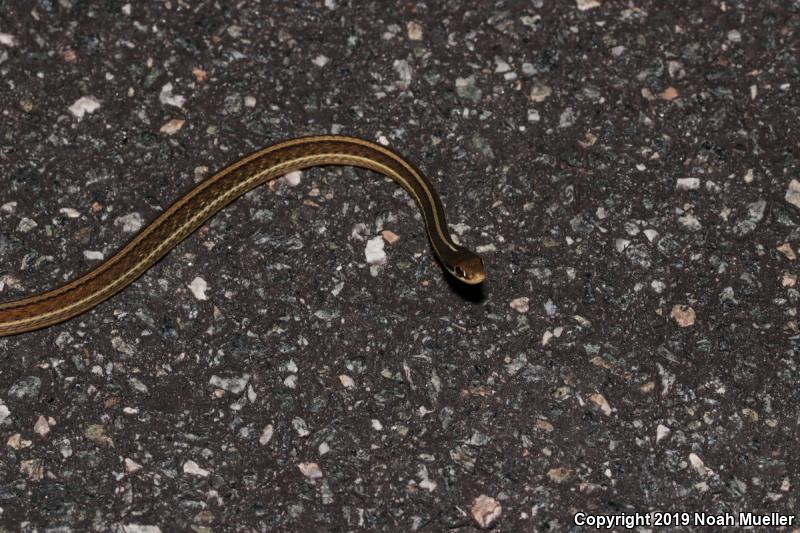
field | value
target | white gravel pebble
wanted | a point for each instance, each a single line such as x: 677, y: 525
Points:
x: 4, y: 412
x: 138, y: 528
x: 190, y: 467
x: 26, y: 225
x: 688, y: 184
x: 233, y: 384
x: 793, y: 193
x: 310, y: 470
x: 585, y: 5
x: 292, y: 179
x: 8, y: 40
x: 540, y: 92
x: 41, y: 427
x: 690, y: 222
x: 69, y: 212
x: 266, y: 435
x: 130, y: 223
x: 83, y: 105
x: 374, y: 251
x: 520, y: 305
x: 198, y: 286
x: 662, y: 431
x: 321, y: 60
x: 167, y: 98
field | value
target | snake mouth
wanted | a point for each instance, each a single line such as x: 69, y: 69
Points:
x: 475, y: 278
x: 470, y: 272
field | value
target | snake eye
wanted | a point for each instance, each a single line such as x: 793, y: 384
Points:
x: 460, y: 272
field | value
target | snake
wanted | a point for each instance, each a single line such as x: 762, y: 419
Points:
x: 217, y: 191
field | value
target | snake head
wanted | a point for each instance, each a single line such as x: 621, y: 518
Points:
x: 469, y: 269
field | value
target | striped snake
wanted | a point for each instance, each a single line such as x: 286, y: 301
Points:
x: 210, y: 196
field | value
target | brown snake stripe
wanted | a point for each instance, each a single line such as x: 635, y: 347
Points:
x: 201, y: 203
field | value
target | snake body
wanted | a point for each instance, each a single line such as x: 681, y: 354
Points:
x: 211, y: 195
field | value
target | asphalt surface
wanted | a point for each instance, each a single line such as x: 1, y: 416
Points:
x: 624, y: 168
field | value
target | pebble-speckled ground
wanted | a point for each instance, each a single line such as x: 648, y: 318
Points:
x: 625, y: 169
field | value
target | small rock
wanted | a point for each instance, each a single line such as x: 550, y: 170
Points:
x: 786, y: 249
x: 698, y: 465
x: 310, y: 470
x: 670, y: 93
x: 138, y: 385
x: 129, y: 223
x: 687, y: 184
x: 621, y: 244
x: 546, y: 337
x: 661, y: 432
x: 414, y: 30
x: 199, y: 74
x: 17, y: 442
x: 292, y: 179
x: 266, y: 435
x: 485, y: 510
x: 97, y: 434
x: 41, y: 427
x: 138, y: 528
x: 683, y: 315
x: 540, y: 92
x: 793, y: 193
x: 601, y: 402
x: 167, y: 98
x: 84, y: 105
x: 198, y: 286
x: 585, y: 5
x: 132, y: 466
x: 404, y: 72
x: 26, y: 388
x: 520, y: 305
x: 690, y: 222
x: 26, y: 224
x: 234, y: 385
x: 390, y: 236
x: 6, y: 39
x: 374, y: 251
x: 567, y: 118
x: 93, y: 255
x: 190, y: 467
x: 559, y: 474
x: 467, y: 88
x: 173, y: 126
x: 32, y: 468
x: 301, y: 427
